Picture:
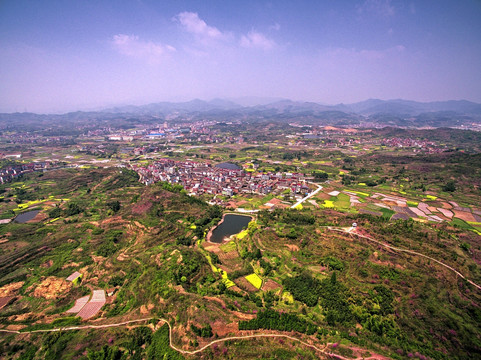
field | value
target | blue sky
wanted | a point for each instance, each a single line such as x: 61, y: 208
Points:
x: 66, y: 55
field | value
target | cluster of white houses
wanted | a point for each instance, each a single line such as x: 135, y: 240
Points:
x: 222, y: 179
x: 8, y: 173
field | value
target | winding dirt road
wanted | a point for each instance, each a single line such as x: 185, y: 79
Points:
x: 188, y: 352
x: 353, y: 232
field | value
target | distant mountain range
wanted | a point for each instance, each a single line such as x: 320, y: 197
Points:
x: 367, y: 107
x: 372, y: 112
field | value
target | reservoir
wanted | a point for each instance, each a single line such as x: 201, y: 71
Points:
x: 29, y: 215
x: 231, y: 225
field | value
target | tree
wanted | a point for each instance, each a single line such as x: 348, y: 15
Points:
x: 114, y: 205
x: 304, y: 288
x: 450, y: 186
x: 55, y: 213
x: 320, y: 175
x: 73, y: 209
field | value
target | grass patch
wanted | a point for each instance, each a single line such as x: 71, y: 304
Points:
x: 387, y: 213
x: 242, y: 234
x: 431, y: 197
x: 228, y: 247
x: 342, y: 201
x: 412, y: 203
x: 461, y: 223
x: 466, y: 226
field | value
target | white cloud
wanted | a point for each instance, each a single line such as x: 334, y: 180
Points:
x: 381, y: 8
x: 131, y: 45
x: 191, y: 23
x: 255, y: 39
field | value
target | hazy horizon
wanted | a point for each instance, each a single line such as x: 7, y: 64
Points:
x: 84, y: 55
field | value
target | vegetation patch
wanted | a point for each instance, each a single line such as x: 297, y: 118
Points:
x: 360, y: 193
x: 329, y: 204
x: 272, y: 320
x: 255, y: 280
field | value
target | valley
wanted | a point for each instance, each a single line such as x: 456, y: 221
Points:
x: 362, y: 243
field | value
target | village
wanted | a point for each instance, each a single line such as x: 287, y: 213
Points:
x: 10, y: 172
x: 222, y: 179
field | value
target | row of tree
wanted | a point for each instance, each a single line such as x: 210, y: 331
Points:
x: 273, y: 320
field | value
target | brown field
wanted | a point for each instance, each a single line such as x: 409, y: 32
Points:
x: 446, y: 205
x: 322, y: 196
x: 4, y: 301
x: 463, y: 215
x: 447, y: 213
x: 222, y: 329
x: 269, y: 284
x: 11, y: 289
x: 245, y: 285
x: 230, y: 260
x: 52, y: 288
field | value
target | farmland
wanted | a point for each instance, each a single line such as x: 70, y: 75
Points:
x: 306, y: 272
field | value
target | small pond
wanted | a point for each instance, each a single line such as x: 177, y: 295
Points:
x: 26, y: 216
x: 231, y: 225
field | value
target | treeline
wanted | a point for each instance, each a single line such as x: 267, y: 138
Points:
x: 304, y: 288
x: 273, y: 320
x: 175, y: 188
x: 329, y: 292
x: 72, y: 209
x: 205, y: 332
x: 320, y: 175
x: 211, y: 216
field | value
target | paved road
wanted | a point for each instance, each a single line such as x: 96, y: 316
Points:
x: 319, y: 188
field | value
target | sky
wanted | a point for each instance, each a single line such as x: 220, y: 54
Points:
x: 68, y: 55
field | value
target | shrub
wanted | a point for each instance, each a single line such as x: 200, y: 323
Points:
x: 55, y: 213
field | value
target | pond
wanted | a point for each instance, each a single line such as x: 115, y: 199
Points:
x: 29, y: 215
x: 230, y: 225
